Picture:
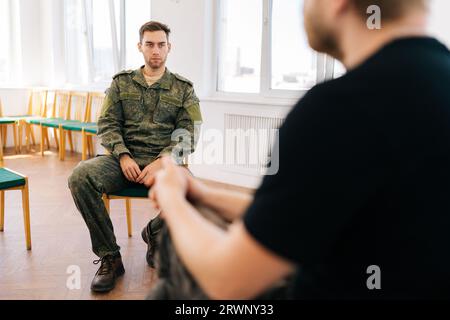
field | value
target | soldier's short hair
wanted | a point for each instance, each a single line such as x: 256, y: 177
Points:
x: 153, y: 26
x: 390, y: 9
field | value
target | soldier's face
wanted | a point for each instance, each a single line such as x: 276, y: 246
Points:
x: 155, y: 48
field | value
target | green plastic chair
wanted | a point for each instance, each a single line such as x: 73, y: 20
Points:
x: 11, y: 180
x: 78, y: 116
x: 59, y: 115
x: 37, y: 109
x: 90, y: 130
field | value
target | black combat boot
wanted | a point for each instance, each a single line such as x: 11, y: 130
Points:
x: 110, y: 269
x: 149, y: 234
x: 150, y: 240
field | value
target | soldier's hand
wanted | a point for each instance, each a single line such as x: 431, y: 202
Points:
x: 147, y: 176
x: 170, y: 184
x: 129, y: 167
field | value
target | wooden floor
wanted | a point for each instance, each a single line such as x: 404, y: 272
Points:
x: 60, y: 238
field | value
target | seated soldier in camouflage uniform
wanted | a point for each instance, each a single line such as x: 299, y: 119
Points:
x: 147, y: 112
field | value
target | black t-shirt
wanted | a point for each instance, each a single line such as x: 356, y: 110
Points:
x: 364, y: 180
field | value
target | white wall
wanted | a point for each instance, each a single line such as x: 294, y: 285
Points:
x: 439, y: 22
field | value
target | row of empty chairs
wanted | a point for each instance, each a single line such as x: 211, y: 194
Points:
x: 63, y: 111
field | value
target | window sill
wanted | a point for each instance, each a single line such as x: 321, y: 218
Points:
x: 253, y: 99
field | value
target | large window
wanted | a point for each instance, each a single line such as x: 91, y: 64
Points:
x: 4, y: 40
x: 240, y: 46
x: 101, y: 37
x: 10, y: 49
x: 262, y: 49
x: 294, y: 64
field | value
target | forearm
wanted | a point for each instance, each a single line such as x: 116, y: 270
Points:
x: 231, y: 205
x: 111, y: 138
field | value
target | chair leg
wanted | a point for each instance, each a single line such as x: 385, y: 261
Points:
x: 26, y: 214
x: 129, y: 222
x: 55, y: 131
x: 2, y: 132
x: 27, y: 135
x: 70, y: 141
x: 33, y: 139
x: 1, y: 151
x: 47, y: 138
x: 5, y: 135
x: 106, y: 202
x: 20, y: 127
x: 42, y: 139
x: 15, y: 127
x: 83, y: 145
x: 62, y: 143
x: 91, y: 146
x: 2, y: 210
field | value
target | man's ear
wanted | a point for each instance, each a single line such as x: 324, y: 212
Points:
x: 169, y: 45
x: 139, y: 46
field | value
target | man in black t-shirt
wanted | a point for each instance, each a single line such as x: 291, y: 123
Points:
x: 360, y: 206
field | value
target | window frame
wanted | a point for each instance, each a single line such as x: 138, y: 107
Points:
x: 118, y: 47
x: 325, y: 65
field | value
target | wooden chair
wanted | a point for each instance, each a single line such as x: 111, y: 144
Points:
x: 91, y: 129
x: 37, y: 108
x: 4, y: 123
x: 78, y: 115
x: 137, y: 191
x: 10, y: 180
x: 59, y: 114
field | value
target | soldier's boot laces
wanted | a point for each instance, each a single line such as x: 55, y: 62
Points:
x: 110, y: 269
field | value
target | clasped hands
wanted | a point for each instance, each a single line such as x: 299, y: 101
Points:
x: 169, y: 182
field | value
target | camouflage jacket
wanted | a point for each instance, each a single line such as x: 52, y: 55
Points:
x: 147, y: 121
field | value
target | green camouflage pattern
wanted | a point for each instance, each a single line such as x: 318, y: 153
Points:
x: 147, y: 121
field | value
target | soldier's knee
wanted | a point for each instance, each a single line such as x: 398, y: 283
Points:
x: 79, y: 177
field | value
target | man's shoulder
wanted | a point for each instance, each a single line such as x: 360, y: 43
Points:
x: 123, y: 73
x: 182, y: 79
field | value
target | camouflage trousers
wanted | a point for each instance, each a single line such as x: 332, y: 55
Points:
x: 88, y: 182
x: 176, y: 283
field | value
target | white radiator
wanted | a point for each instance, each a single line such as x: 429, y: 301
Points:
x: 249, y: 144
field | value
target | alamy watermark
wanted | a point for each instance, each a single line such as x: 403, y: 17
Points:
x: 73, y: 281
x: 374, y: 20
x: 253, y: 148
x: 374, y: 280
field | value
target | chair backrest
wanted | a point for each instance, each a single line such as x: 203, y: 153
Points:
x: 37, y: 103
x: 60, y: 108
x: 96, y: 100
x: 78, y: 106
